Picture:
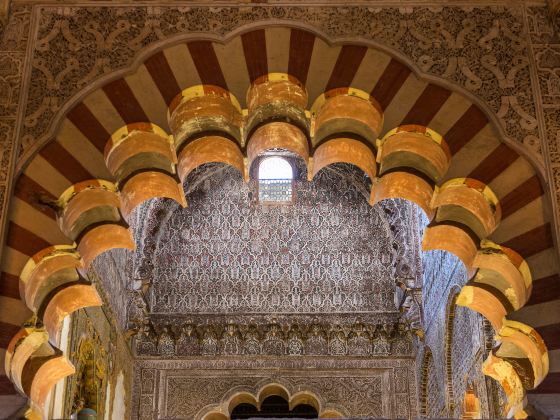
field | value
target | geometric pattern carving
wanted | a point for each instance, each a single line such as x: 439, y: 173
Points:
x: 352, y: 387
x: 288, y: 259
x: 521, y: 106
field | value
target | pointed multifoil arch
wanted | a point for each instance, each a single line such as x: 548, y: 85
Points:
x: 74, y: 169
x: 255, y: 395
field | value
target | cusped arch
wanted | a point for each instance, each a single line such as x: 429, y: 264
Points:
x: 59, y: 177
x: 256, y: 396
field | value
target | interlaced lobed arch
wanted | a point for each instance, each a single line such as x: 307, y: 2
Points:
x: 81, y: 187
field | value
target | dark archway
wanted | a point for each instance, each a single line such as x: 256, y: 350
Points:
x: 274, y: 407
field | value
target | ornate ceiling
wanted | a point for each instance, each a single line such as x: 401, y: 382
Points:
x: 227, y: 258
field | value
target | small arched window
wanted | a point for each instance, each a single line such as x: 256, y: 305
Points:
x: 275, y: 180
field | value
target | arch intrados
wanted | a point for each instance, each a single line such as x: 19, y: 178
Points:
x: 161, y: 45
x: 270, y: 390
x: 305, y: 397
x: 242, y: 398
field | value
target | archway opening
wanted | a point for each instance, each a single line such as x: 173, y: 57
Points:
x: 274, y: 407
x: 336, y: 270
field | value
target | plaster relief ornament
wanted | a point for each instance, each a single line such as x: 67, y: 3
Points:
x: 231, y: 339
x: 408, y: 302
x: 295, y: 341
x: 146, y: 339
x: 209, y: 341
x: 137, y: 309
x: 166, y: 343
x: 359, y: 342
x: 188, y: 343
x: 381, y: 344
x: 315, y: 343
x: 337, y: 341
x: 402, y: 342
x: 261, y: 338
x: 273, y: 343
x: 251, y: 344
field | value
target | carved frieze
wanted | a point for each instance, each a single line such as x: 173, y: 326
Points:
x: 274, y: 338
x: 14, y: 35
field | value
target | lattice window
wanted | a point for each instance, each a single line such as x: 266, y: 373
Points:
x: 275, y: 181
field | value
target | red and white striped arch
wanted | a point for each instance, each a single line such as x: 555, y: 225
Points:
x: 478, y: 149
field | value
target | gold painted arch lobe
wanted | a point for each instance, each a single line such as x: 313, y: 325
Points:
x: 88, y: 203
x: 206, y: 124
x: 466, y: 211
x: 469, y: 202
x: 416, y: 148
x: 142, y: 158
x: 504, y: 270
x: 344, y: 150
x: 35, y: 366
x: 209, y: 149
x: 346, y: 110
x: 48, y: 270
x: 90, y: 214
x: 412, y: 159
x: 277, y: 117
x: 67, y: 300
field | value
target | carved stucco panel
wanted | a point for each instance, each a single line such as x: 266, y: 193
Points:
x: 381, y: 391
x: 7, y: 126
x: 545, y: 49
x: 11, y: 65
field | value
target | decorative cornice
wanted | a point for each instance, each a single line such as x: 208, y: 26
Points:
x: 290, y: 338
